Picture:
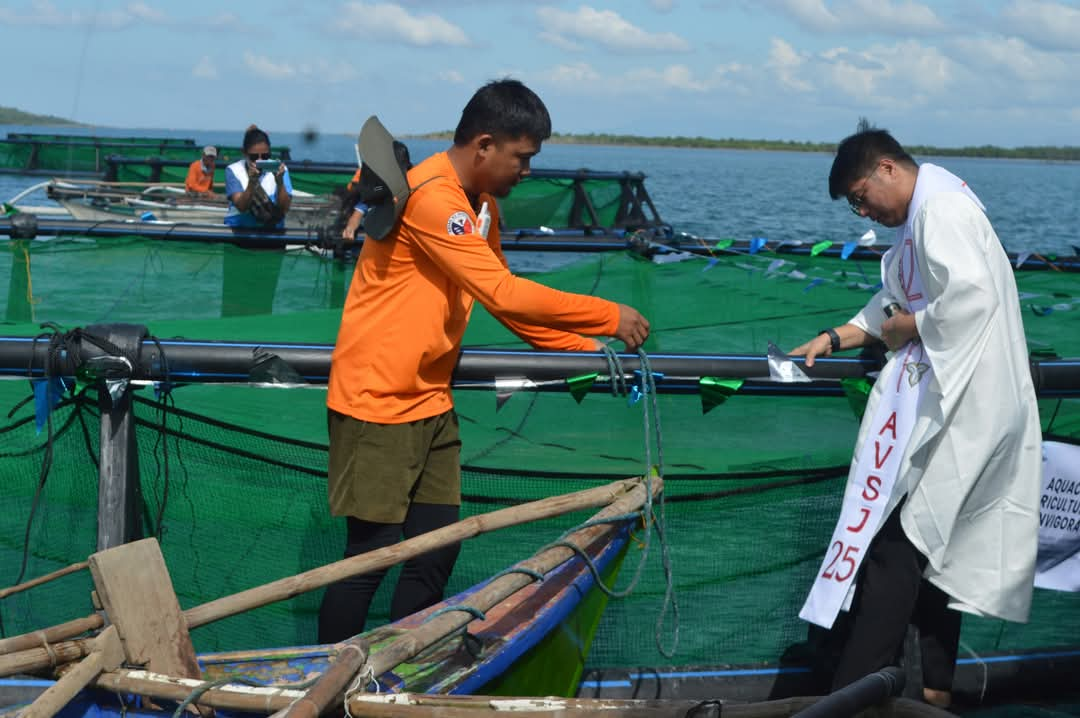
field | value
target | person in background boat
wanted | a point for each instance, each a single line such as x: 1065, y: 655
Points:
x: 200, y: 176
x: 356, y: 214
x: 959, y: 529
x: 394, y: 444
x: 258, y: 198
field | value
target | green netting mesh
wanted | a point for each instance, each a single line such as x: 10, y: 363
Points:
x: 15, y: 156
x: 92, y: 139
x: 90, y: 155
x: 753, y: 485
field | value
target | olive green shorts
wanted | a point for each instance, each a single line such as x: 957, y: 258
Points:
x: 377, y: 470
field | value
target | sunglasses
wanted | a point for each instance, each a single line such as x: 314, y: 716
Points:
x: 255, y: 156
x: 856, y: 199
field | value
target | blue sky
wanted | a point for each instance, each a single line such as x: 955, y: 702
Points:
x: 947, y: 73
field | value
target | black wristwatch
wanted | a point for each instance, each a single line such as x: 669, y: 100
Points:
x: 834, y: 338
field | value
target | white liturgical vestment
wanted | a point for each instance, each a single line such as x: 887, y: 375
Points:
x: 972, y: 466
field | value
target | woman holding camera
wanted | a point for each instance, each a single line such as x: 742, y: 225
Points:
x: 258, y: 187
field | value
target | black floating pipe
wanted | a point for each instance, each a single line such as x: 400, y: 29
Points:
x: 863, y: 693
x: 193, y: 361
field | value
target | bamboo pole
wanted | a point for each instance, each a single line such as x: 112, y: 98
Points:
x: 239, y: 698
x: 386, y: 557
x: 4, y: 593
x: 25, y: 653
x: 44, y: 656
x: 348, y: 662
x: 107, y: 654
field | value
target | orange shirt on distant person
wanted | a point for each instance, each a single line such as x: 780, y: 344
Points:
x: 411, y: 297
x: 197, y: 180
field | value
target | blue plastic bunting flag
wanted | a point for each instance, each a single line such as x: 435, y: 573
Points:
x: 639, y: 389
x: 813, y: 284
x: 849, y: 247
x: 47, y: 394
x: 756, y: 244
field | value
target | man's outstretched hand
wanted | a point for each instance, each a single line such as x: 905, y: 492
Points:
x: 633, y: 328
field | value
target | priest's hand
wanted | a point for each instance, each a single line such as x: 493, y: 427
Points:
x: 821, y: 345
x: 898, y: 330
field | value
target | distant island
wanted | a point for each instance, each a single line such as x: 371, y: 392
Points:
x: 1048, y: 153
x: 12, y: 116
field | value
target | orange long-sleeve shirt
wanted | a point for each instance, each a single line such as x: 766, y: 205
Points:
x: 197, y: 180
x: 411, y: 297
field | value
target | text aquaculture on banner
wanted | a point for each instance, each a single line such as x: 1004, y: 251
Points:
x: 1058, y: 563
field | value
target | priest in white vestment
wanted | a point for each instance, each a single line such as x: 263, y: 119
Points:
x: 957, y: 519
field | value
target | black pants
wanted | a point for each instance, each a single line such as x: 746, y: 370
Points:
x: 421, y: 584
x: 891, y: 594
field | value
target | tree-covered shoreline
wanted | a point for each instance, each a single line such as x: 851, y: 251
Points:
x: 1045, y: 153
x: 13, y: 116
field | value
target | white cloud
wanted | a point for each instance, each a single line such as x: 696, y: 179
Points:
x: 906, y: 74
x: 606, y: 28
x: 676, y: 77
x: 1043, y: 24
x: 145, y: 13
x: 391, y: 22
x: 265, y: 67
x: 41, y: 13
x: 786, y: 63
x: 563, y: 43
x: 905, y: 17
x: 894, y: 17
x: 317, y: 70
x: 205, y: 69
x: 573, y: 75
x: 452, y: 76
x: 583, y: 78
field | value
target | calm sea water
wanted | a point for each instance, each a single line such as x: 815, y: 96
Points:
x: 1034, y: 206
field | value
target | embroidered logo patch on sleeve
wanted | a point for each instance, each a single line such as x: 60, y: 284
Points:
x: 459, y: 223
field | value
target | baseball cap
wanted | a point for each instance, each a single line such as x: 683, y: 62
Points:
x: 377, y: 151
x: 209, y: 150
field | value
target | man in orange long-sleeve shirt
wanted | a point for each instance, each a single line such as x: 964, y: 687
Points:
x: 394, y: 444
x: 200, y: 176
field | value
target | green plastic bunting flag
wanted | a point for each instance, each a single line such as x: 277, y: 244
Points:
x: 715, y: 392
x: 857, y: 392
x: 580, y: 385
x: 724, y: 244
x: 820, y: 247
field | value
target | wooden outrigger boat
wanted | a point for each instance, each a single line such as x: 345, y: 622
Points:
x: 526, y: 628
x: 95, y: 201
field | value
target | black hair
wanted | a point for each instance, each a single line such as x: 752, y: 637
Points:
x: 858, y: 155
x: 253, y: 136
x: 506, y: 109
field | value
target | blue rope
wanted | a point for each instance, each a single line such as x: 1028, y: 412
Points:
x: 651, y: 418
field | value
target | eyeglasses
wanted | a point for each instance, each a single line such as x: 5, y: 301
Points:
x: 856, y: 199
x: 255, y: 156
